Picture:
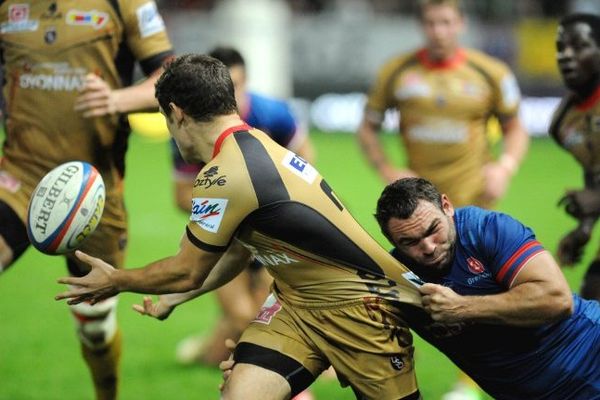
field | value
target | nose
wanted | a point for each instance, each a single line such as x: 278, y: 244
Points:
x: 428, y: 246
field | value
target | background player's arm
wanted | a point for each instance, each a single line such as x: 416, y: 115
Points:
x: 98, y: 99
x: 185, y: 271
x: 515, y: 145
x: 368, y: 137
x: 539, y: 294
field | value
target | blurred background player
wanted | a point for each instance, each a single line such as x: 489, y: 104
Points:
x: 445, y: 94
x: 61, y: 62
x: 240, y: 299
x: 576, y: 128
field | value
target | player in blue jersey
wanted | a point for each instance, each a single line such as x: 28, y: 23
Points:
x: 242, y: 298
x: 499, y: 306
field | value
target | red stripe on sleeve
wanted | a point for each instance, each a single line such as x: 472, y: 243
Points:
x: 511, y: 260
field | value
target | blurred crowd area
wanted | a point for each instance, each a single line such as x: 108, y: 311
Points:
x: 305, y: 48
x: 484, y: 9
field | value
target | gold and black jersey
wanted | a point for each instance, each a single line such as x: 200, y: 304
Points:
x: 47, y: 48
x: 286, y: 214
x: 444, y: 109
x: 576, y: 127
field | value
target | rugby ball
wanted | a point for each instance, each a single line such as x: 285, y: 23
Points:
x: 65, y: 207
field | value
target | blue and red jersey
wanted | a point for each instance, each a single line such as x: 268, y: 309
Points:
x: 553, y: 361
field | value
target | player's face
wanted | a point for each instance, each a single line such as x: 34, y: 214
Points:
x: 427, y: 237
x: 578, y: 55
x: 442, y: 25
x: 177, y: 132
x: 238, y: 77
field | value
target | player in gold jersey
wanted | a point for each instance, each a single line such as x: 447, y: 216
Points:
x: 68, y: 67
x: 338, y: 296
x: 576, y: 128
x: 445, y: 94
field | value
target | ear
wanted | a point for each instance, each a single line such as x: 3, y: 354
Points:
x: 447, y: 206
x: 177, y: 113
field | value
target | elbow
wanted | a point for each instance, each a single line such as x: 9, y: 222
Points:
x: 562, y: 305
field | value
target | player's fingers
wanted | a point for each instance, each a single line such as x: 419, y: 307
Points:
x: 71, y: 280
x: 428, y: 288
x: 89, y: 98
x: 139, y: 309
x: 230, y: 344
x: 97, y: 112
x: 86, y: 258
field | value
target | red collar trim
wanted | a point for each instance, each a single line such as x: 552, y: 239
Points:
x: 225, y: 133
x: 455, y: 60
x: 590, y: 101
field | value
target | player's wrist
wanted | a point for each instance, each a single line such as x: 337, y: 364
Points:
x: 509, y: 163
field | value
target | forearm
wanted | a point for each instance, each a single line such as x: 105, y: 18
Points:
x: 515, y: 144
x: 139, y: 97
x: 528, y: 304
x: 371, y: 146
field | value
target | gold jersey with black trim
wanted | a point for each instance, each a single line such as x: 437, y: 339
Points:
x: 48, y: 47
x: 576, y: 128
x: 444, y: 108
x: 280, y: 208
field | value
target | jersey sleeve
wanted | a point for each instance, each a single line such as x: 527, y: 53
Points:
x: 145, y: 33
x: 508, y: 245
x: 506, y: 92
x: 223, y: 197
x: 379, y: 98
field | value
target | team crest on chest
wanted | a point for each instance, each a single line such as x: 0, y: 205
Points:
x: 18, y: 20
x: 475, y: 266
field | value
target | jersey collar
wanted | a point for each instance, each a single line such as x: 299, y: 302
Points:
x: 456, y: 59
x: 590, y: 101
x: 225, y: 134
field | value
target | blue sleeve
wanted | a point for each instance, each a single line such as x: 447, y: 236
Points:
x: 508, y: 245
x: 274, y: 117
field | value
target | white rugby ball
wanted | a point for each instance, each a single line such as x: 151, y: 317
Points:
x: 65, y: 207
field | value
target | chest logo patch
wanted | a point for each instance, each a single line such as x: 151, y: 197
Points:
x: 208, y: 213
x: 94, y: 18
x: 475, y: 266
x: 299, y: 167
x: 18, y: 20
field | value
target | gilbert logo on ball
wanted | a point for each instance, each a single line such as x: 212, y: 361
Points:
x: 65, y: 207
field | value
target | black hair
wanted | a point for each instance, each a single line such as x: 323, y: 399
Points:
x: 592, y: 20
x: 228, y: 56
x: 401, y: 198
x: 199, y: 84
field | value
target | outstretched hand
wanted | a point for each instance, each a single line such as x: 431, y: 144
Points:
x: 159, y: 310
x: 581, y: 203
x: 93, y: 287
x: 570, y: 247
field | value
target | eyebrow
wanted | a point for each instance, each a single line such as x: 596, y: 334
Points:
x: 434, y: 224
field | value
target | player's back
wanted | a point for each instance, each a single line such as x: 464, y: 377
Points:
x: 282, y: 209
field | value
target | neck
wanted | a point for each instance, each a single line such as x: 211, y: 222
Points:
x: 210, y: 131
x: 587, y: 90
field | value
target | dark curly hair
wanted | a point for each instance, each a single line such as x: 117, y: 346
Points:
x: 401, y: 198
x: 199, y: 84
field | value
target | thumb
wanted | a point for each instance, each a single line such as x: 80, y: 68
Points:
x: 429, y: 288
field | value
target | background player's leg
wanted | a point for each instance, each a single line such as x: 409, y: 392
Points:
x: 13, y: 236
x: 251, y: 382
x: 590, y: 287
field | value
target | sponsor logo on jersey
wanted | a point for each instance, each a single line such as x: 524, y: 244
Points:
x: 208, y: 213
x: 94, y: 18
x: 475, y: 266
x: 268, y: 310
x: 9, y: 182
x: 510, y: 92
x: 437, y: 130
x: 149, y: 20
x: 299, y: 167
x: 18, y: 20
x: 413, y: 279
x: 52, y: 12
x: 211, y: 178
x: 412, y: 85
x: 270, y: 257
x: 573, y: 137
x: 397, y: 362
x: 50, y: 35
x: 60, y: 82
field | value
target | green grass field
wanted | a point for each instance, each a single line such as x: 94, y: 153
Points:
x: 39, y: 355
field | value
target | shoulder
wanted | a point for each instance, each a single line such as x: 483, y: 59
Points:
x: 267, y: 103
x: 486, y: 62
x: 398, y: 63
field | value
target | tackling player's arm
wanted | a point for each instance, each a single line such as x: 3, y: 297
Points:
x: 185, y: 271
x: 539, y: 294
